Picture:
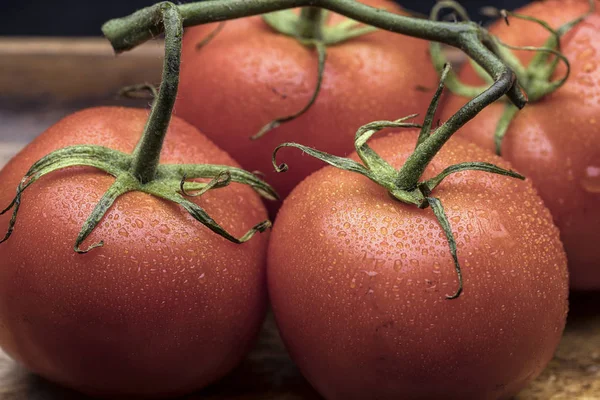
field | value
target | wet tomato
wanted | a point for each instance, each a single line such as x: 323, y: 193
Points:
x: 165, y: 307
x: 358, y: 282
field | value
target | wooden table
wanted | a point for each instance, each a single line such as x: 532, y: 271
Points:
x: 41, y: 80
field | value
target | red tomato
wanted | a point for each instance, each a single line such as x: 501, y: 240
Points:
x: 556, y: 141
x: 358, y: 281
x: 165, y: 307
x: 249, y: 75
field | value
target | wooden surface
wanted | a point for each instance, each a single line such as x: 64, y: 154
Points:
x: 43, y: 80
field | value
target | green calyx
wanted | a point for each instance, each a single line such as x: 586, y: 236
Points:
x: 536, y: 79
x: 310, y: 29
x: 141, y: 171
x: 405, y: 184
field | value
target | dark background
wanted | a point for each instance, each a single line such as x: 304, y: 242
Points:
x: 84, y: 18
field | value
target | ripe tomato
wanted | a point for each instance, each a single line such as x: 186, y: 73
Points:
x: 358, y: 281
x: 165, y: 307
x: 249, y: 75
x: 555, y: 141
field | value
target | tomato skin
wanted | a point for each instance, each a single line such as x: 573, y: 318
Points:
x: 164, y: 308
x: 357, y: 282
x: 555, y: 141
x: 249, y: 75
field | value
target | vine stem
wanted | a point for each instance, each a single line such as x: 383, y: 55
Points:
x: 416, y: 164
x: 128, y: 32
x: 311, y: 23
x: 146, y: 155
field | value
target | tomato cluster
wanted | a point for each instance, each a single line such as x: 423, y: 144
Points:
x: 357, y: 266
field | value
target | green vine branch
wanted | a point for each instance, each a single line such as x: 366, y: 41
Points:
x: 128, y: 32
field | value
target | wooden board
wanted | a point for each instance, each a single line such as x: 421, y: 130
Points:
x: 41, y: 80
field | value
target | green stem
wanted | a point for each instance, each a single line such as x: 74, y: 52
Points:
x: 146, y: 156
x: 416, y: 164
x: 311, y: 23
x: 508, y: 115
x: 128, y: 32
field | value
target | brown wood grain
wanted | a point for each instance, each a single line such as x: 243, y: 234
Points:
x: 66, y: 69
x: 43, y: 80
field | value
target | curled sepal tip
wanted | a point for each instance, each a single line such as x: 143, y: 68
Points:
x: 222, y: 180
x: 91, y: 247
x: 440, y: 214
x: 258, y: 228
x: 338, y: 162
x: 322, y: 56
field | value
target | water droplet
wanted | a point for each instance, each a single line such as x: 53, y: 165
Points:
x: 164, y: 229
x: 139, y: 223
x: 383, y: 230
x: 123, y: 232
x: 585, y: 54
x: 591, y: 179
x: 589, y: 67
x: 371, y: 273
x: 455, y: 219
x: 341, y: 234
x: 399, y: 233
x: 346, y: 225
x: 397, y: 265
x: 153, y: 239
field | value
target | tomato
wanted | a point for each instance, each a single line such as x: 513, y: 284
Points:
x: 165, y: 307
x: 555, y: 141
x: 358, y: 282
x: 249, y: 75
